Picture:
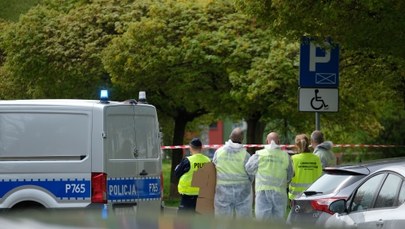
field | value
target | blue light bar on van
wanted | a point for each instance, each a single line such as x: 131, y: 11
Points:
x: 104, y: 96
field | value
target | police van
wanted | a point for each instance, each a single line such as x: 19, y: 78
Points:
x: 79, y: 154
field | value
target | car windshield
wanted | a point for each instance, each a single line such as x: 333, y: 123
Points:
x: 329, y: 183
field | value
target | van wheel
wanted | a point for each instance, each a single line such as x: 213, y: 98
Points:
x: 27, y: 206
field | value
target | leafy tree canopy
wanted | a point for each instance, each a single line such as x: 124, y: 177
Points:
x: 196, y: 57
x: 180, y: 53
x: 54, y: 52
x: 375, y: 25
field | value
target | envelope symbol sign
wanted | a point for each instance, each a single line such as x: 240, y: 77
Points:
x: 325, y: 78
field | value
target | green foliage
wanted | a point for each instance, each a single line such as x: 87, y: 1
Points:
x: 56, y: 54
x: 166, y: 170
x: 371, y: 34
x: 3, y: 26
x: 368, y: 95
x: 266, y: 88
x: 375, y: 25
x: 175, y: 54
x: 64, y: 6
x: 371, y: 105
x: 11, y: 10
x: 204, y: 59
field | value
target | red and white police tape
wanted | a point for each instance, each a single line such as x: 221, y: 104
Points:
x: 216, y: 146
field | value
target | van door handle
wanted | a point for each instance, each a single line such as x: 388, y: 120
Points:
x: 143, y: 173
x: 380, y: 223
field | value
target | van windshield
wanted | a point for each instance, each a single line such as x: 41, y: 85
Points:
x: 132, y: 136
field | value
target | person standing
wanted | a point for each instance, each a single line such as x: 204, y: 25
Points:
x: 323, y: 149
x: 307, y: 167
x: 273, y: 172
x: 233, y: 191
x: 184, y: 171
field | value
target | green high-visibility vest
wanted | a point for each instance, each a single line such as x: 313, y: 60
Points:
x: 196, y: 161
x: 231, y: 167
x: 272, y: 170
x: 307, y: 168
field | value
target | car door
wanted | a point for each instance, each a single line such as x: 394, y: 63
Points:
x: 375, y: 200
x: 389, y: 207
x: 363, y: 200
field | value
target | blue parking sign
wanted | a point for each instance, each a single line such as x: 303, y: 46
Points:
x: 319, y: 65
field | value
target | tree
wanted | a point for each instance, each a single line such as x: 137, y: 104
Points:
x: 177, y: 54
x: 53, y: 52
x: 370, y: 34
x: 3, y: 25
x: 369, y: 95
x: 374, y: 25
x: 11, y: 11
x: 266, y: 89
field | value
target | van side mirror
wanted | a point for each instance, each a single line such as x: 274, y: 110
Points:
x: 338, y: 206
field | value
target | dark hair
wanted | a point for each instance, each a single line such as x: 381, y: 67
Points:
x: 196, y: 143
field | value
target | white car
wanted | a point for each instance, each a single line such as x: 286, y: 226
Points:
x: 378, y: 202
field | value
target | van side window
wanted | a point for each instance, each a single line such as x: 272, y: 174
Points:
x: 45, y: 134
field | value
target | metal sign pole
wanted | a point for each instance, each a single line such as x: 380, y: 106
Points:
x: 317, y: 121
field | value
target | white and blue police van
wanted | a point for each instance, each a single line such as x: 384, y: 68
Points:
x: 79, y: 154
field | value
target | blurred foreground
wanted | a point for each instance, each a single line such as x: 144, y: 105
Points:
x: 69, y: 219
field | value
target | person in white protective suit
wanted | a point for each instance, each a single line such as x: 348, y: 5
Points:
x: 233, y: 191
x: 273, y: 172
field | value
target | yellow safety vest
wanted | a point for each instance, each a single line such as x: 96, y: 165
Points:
x: 231, y: 167
x: 272, y: 170
x: 196, y: 161
x: 307, y: 168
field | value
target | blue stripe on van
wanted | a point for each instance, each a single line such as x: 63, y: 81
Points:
x: 131, y: 189
x: 69, y: 189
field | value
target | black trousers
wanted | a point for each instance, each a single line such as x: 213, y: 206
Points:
x: 187, y: 203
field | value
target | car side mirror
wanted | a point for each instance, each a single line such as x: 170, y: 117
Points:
x: 338, y: 206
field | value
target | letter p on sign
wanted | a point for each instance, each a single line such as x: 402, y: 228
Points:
x: 314, y: 59
x: 319, y: 64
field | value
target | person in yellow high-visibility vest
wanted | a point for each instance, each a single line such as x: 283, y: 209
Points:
x: 307, y: 167
x: 184, y: 171
x: 273, y: 171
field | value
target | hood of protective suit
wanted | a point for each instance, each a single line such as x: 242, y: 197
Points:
x: 327, y: 145
x: 232, y: 146
x: 272, y: 145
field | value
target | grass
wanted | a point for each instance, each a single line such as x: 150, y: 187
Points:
x: 11, y: 10
x: 170, y: 202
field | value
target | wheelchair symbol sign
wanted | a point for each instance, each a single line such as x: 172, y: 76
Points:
x: 317, y: 102
x: 318, y: 99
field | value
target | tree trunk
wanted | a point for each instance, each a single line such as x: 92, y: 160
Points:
x: 254, y: 131
x: 181, y: 118
x: 177, y: 154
